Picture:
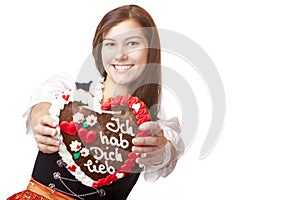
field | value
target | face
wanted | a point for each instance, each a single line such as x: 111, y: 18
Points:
x: 124, y: 52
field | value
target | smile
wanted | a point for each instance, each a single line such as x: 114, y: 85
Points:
x: 122, y: 68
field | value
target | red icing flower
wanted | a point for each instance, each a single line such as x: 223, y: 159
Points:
x: 141, y: 113
x: 125, y: 100
x: 116, y: 101
x: 133, y: 100
x: 142, y: 119
x: 106, y: 105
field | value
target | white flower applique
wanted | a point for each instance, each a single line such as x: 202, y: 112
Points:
x: 91, y: 120
x: 84, y: 152
x: 75, y: 146
x: 78, y: 117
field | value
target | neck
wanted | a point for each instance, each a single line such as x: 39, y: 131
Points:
x: 112, y: 89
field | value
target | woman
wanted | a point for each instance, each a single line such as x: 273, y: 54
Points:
x: 126, y: 50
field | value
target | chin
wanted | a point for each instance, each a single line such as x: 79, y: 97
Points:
x: 124, y: 79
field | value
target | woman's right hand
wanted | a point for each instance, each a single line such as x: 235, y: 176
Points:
x: 44, y: 134
x: 44, y: 128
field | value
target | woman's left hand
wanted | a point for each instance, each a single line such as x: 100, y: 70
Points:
x: 152, y: 147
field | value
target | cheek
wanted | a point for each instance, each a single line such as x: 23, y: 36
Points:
x: 107, y: 57
x: 140, y: 56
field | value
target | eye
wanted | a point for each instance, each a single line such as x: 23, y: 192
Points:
x: 132, y: 43
x: 109, y: 44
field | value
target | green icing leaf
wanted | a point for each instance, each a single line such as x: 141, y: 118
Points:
x: 85, y: 124
x: 76, y: 155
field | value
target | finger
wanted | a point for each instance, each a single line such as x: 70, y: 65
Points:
x: 46, y: 140
x: 149, y: 161
x: 47, y: 148
x: 44, y: 130
x: 48, y: 121
x: 149, y: 141
x: 159, y: 133
x: 147, y: 149
x: 152, y: 126
x: 151, y: 158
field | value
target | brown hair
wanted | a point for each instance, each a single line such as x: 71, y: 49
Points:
x: 148, y: 86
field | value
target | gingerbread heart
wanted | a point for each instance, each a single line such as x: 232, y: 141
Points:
x: 97, y: 139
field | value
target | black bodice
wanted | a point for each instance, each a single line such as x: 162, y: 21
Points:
x: 49, y: 169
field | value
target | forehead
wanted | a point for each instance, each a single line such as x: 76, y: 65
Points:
x: 127, y: 28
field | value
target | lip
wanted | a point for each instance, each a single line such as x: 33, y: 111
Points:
x: 122, y: 67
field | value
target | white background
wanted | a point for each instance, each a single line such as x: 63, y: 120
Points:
x: 255, y: 46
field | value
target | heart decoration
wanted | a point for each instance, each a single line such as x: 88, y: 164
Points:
x: 87, y: 136
x: 68, y: 127
x: 97, y: 139
x: 136, y: 107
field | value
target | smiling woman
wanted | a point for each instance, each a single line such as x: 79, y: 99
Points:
x: 136, y: 23
x: 124, y: 54
x: 126, y: 50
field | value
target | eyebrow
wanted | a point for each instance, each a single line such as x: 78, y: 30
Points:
x: 131, y: 37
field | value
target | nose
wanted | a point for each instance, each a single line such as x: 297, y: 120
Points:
x: 121, y: 54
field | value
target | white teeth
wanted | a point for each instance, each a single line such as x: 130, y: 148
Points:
x: 122, y: 67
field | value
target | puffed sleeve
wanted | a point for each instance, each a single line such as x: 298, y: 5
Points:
x: 171, y: 128
x: 46, y: 92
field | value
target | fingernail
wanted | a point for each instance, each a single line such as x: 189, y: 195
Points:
x: 142, y: 127
x: 138, y: 160
x: 133, y: 148
x: 134, y: 140
x: 53, y: 133
x: 54, y: 124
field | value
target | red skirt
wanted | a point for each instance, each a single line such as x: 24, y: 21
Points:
x: 38, y: 191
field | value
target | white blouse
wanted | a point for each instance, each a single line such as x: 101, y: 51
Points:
x: 58, y: 83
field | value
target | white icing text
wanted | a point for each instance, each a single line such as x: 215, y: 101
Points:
x: 120, y: 127
x: 114, y: 141
x: 102, y: 168
x: 112, y: 156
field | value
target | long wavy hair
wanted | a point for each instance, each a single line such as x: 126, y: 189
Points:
x: 148, y: 86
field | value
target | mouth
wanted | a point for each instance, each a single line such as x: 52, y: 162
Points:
x: 123, y: 67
